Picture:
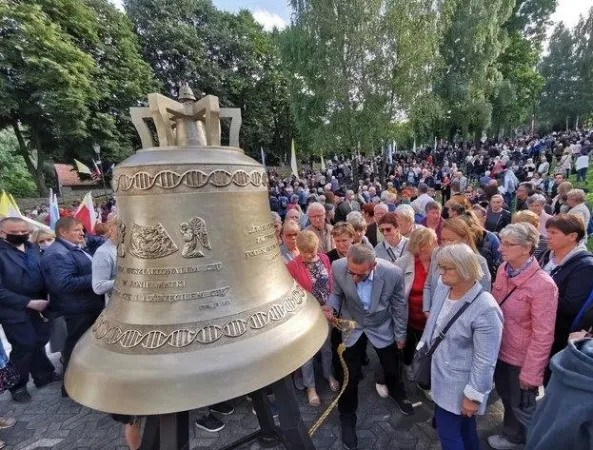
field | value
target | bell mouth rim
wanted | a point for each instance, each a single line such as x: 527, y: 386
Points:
x: 165, y: 384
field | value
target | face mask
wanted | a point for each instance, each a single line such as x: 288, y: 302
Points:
x: 45, y: 245
x: 17, y: 239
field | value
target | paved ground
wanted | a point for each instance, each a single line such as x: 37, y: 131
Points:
x: 52, y: 422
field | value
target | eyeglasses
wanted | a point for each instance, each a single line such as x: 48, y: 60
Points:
x: 361, y: 276
x: 291, y: 235
x: 508, y: 244
x: 386, y: 229
x: 445, y: 269
x: 317, y: 216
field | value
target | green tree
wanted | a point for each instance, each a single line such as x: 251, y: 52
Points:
x: 222, y: 54
x: 69, y: 71
x: 532, y: 18
x: 358, y: 67
x: 14, y: 176
x: 584, y: 60
x: 560, y: 71
x: 45, y: 83
x: 472, y: 42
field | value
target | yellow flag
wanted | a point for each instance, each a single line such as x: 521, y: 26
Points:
x: 82, y: 168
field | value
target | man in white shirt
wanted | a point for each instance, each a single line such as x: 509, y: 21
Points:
x: 423, y: 199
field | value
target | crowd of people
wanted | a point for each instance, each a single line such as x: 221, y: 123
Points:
x: 480, y: 250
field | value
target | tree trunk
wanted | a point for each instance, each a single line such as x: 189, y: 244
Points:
x: 40, y: 160
x: 36, y: 172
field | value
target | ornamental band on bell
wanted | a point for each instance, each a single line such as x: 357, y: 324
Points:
x: 119, y: 337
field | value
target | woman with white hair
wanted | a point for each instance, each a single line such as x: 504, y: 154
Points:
x: 575, y: 199
x: 462, y: 366
x: 536, y: 204
x: 528, y: 298
x: 406, y: 219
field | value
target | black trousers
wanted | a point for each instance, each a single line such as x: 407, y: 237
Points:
x: 389, y: 359
x: 77, y: 325
x: 336, y: 340
x: 412, y: 338
x: 28, y: 340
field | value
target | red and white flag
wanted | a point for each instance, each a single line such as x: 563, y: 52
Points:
x: 86, y: 213
x: 96, y: 172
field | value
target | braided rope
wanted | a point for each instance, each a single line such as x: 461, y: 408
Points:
x: 346, y: 326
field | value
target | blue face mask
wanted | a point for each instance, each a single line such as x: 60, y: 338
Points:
x: 45, y: 245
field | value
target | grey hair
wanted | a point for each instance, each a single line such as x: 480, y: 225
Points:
x: 382, y: 206
x: 464, y: 259
x: 523, y: 233
x: 361, y: 254
x: 349, y: 192
x: 356, y: 219
x: 536, y: 198
x: 315, y: 206
x: 498, y: 196
x: 577, y: 194
x: 276, y: 217
x: 406, y: 211
x: 422, y: 188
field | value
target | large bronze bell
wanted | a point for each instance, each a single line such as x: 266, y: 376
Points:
x: 203, y: 309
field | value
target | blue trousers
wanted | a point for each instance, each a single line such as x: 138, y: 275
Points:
x: 456, y: 432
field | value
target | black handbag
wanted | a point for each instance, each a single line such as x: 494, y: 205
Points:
x: 423, y: 356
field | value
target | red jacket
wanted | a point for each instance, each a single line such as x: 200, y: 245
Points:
x: 529, y: 320
x: 300, y: 273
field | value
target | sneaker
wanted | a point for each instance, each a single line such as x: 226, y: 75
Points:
x: 21, y: 395
x: 427, y: 393
x: 209, y: 423
x: 52, y: 379
x: 7, y: 422
x: 409, y: 373
x: 2, y: 444
x: 382, y: 390
x: 499, y: 442
x: 224, y: 408
x: 404, y: 405
x: 349, y: 438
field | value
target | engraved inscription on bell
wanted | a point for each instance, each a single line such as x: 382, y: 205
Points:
x: 151, y: 242
x: 195, y: 235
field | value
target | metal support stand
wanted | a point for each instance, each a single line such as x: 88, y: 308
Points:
x: 166, y: 432
x: 171, y: 431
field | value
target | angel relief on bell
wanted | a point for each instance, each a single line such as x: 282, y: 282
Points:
x: 195, y: 235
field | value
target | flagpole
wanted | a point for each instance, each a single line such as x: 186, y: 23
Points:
x: 97, y: 149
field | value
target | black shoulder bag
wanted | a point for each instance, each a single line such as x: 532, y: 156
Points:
x: 423, y: 357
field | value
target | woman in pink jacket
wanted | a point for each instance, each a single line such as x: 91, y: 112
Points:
x: 312, y: 270
x: 528, y: 298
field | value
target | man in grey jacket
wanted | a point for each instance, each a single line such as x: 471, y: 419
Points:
x: 371, y: 293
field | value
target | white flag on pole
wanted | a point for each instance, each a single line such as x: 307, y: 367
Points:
x: 293, y: 160
x: 322, y: 163
x: 263, y: 158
